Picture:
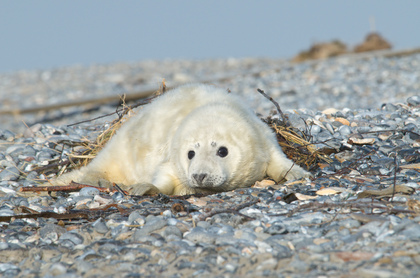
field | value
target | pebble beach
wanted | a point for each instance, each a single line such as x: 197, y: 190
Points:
x: 359, y: 215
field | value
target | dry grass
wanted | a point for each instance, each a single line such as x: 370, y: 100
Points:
x: 93, y: 148
x: 296, y: 145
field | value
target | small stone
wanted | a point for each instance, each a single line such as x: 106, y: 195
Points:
x: 11, y: 173
x: 323, y: 136
x: 57, y: 269
x: 412, y: 233
x: 73, y: 237
x: 6, y: 212
x: 6, y: 135
x: 51, y: 232
x: 200, y: 235
x: 172, y: 231
x: 100, y: 226
x: 84, y: 266
x: 315, y: 129
x: 329, y: 128
x: 296, y: 121
x: 414, y: 101
x: 88, y: 191
x: 150, y: 227
x: 136, y: 216
x: 203, y: 224
x: 117, y: 196
x: 344, y: 130
x: 8, y: 269
x: 3, y: 245
x: 277, y: 229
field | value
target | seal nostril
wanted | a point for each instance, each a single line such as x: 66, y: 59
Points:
x: 199, y: 178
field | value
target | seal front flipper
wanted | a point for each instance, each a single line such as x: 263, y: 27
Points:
x: 142, y: 189
x: 280, y: 167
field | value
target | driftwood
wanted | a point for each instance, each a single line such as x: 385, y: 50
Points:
x: 90, y: 214
x: 73, y: 186
x: 89, y: 101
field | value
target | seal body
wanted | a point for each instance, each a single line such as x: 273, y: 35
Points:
x: 196, y: 138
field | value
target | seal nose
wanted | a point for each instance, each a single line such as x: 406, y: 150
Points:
x: 199, y: 178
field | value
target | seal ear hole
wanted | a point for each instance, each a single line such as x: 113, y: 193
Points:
x: 222, y: 152
x: 191, y: 154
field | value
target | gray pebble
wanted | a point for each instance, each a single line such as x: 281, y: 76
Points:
x: 151, y: 226
x: 100, y: 226
x: 6, y: 212
x: 315, y: 129
x: 51, y: 232
x: 84, y: 266
x: 8, y: 269
x: 172, y: 231
x: 277, y: 228
x: 4, y: 245
x: 344, y: 130
x: 203, y: 224
x: 117, y: 196
x: 200, y: 235
x: 414, y: 101
x: 44, y: 156
x: 412, y: 233
x: 10, y: 173
x: 296, y: 121
x: 6, y: 135
x: 72, y: 237
x: 350, y: 223
x: 88, y: 191
x: 324, y: 135
x: 136, y: 216
x: 57, y: 269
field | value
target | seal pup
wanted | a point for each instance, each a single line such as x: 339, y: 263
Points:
x: 196, y: 138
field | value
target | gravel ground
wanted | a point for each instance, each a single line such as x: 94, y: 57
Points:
x: 348, y: 220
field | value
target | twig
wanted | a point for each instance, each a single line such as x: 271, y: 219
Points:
x: 119, y: 189
x: 73, y: 186
x: 90, y: 214
x: 395, y: 177
x: 52, y: 165
x: 289, y: 169
x: 285, y: 120
x: 122, y: 110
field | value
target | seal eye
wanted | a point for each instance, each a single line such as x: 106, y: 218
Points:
x: 222, y: 152
x: 191, y: 155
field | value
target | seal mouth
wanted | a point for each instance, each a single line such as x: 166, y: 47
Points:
x: 207, y: 182
x: 210, y: 188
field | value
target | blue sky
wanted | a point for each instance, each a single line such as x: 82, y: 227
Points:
x: 49, y: 33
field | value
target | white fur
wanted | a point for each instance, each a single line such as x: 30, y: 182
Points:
x: 151, y: 149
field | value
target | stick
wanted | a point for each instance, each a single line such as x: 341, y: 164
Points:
x: 395, y: 177
x: 286, y: 122
x: 73, y: 186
